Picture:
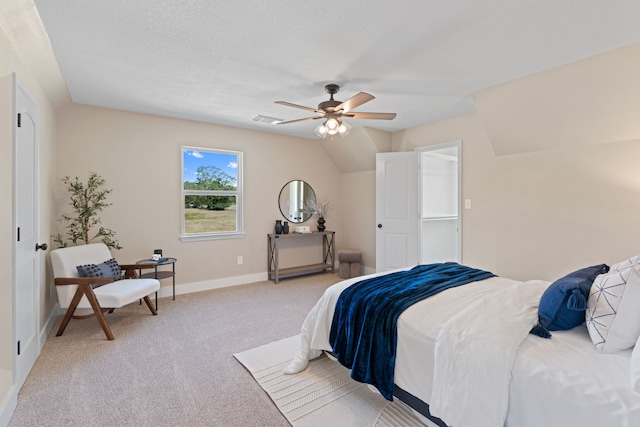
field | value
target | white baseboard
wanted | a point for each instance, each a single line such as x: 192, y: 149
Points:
x: 9, y: 400
x: 187, y: 288
x: 44, y: 332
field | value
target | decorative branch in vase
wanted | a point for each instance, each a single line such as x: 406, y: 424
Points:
x: 320, y: 208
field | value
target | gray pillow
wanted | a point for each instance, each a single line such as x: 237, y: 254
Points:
x: 109, y: 268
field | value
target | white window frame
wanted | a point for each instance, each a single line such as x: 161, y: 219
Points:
x: 239, y: 232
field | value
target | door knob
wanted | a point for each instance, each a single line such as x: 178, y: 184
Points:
x: 42, y: 246
x: 379, y: 225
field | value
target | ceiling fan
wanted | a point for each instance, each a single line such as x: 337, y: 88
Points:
x: 334, y: 111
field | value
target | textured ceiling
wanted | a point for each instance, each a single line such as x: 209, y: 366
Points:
x: 226, y: 61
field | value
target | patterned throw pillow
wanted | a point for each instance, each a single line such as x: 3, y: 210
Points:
x: 109, y: 268
x: 613, y: 315
x: 626, y: 263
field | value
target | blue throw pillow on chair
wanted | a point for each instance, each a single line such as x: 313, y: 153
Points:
x: 109, y: 268
x: 563, y: 304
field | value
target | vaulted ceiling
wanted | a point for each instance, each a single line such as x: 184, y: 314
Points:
x: 226, y: 61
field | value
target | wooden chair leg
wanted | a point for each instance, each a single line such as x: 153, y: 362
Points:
x: 72, y: 307
x: 99, y: 314
x: 88, y: 292
x: 147, y: 300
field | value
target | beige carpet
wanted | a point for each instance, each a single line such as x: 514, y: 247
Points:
x: 323, y: 394
x: 171, y: 370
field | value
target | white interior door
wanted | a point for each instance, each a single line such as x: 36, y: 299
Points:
x: 397, y: 210
x: 27, y: 266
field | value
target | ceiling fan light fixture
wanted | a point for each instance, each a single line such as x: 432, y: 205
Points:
x: 332, y: 126
x: 344, y: 129
x: 321, y: 130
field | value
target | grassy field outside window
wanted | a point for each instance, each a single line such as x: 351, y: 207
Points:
x: 211, y: 193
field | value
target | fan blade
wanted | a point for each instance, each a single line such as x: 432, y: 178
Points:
x: 288, y: 104
x: 299, y: 120
x: 355, y: 101
x: 375, y: 116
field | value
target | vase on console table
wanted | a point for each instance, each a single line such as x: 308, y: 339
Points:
x: 320, y: 223
x: 278, y: 227
x: 285, y: 228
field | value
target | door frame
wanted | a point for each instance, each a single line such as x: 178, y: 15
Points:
x: 437, y: 147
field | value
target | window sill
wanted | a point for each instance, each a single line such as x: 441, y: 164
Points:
x: 217, y: 236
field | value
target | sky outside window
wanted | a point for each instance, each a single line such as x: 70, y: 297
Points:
x: 193, y: 159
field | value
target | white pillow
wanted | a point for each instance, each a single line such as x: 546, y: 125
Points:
x: 635, y: 367
x: 613, y: 313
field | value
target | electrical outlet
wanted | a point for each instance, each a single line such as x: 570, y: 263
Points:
x: 240, y: 260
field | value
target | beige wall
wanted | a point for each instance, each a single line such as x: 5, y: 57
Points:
x: 567, y: 141
x: 139, y: 156
x: 359, y: 202
x: 569, y: 208
x: 586, y: 102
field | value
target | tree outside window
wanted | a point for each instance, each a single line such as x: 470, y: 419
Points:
x: 211, y: 193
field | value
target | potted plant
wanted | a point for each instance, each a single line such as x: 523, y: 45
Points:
x: 87, y: 200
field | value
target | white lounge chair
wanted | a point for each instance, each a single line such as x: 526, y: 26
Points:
x: 88, y: 296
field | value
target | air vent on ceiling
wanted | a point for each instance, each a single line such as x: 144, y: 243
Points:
x: 266, y: 119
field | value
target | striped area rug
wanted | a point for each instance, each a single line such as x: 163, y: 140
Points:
x: 323, y: 394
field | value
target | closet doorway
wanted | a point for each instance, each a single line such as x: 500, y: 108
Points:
x: 418, y: 206
x: 440, y: 203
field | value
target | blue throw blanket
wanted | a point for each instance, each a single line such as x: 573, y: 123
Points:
x: 364, y: 327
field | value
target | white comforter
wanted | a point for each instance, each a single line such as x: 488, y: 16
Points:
x: 477, y: 328
x: 475, y: 350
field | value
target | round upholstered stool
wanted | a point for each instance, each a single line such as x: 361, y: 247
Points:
x: 349, y: 263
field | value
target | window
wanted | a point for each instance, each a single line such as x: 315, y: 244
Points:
x: 211, y: 194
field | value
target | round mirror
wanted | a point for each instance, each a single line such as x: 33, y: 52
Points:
x: 294, y: 196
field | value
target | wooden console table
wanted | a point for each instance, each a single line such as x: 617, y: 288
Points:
x: 273, y: 261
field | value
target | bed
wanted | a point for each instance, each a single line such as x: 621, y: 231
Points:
x: 466, y: 357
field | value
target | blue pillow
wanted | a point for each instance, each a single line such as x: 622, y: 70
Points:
x: 563, y: 304
x: 109, y: 268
